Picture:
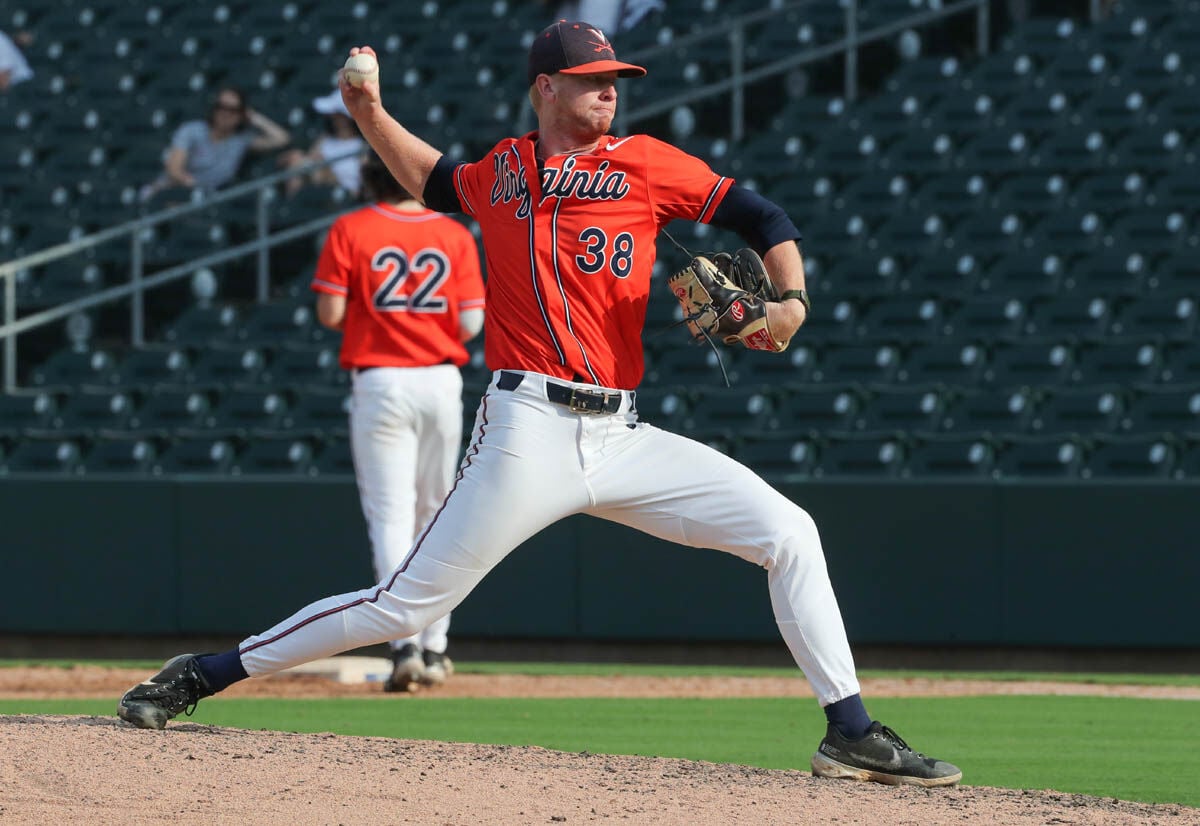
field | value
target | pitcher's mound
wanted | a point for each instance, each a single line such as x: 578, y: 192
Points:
x: 98, y: 770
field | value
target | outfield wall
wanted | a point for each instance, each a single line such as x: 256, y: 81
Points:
x: 964, y: 563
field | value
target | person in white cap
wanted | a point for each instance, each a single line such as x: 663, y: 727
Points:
x: 342, y: 144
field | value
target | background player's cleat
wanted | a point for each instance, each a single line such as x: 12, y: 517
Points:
x: 438, y: 667
x: 408, y: 669
x: 881, y: 757
x: 178, y: 687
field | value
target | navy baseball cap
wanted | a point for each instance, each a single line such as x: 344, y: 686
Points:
x: 575, y: 49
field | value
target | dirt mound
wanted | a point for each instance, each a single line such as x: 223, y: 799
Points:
x: 98, y: 770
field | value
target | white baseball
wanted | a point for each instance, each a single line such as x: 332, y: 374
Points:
x: 361, y: 68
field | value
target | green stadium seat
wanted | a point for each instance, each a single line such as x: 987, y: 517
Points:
x: 779, y: 457
x: 303, y: 362
x: 666, y: 407
x: 243, y: 409
x: 1038, y: 111
x: 335, y: 458
x: 44, y: 452
x: 1182, y: 363
x: 908, y: 318
x: 1164, y: 409
x: 989, y: 411
x: 1127, y: 361
x: 812, y: 408
x: 1171, y: 315
x: 948, y: 273
x: 987, y: 317
x: 277, y: 322
x: 1083, y: 410
x: 914, y: 408
x: 1028, y: 273
x: 876, y: 454
x: 151, y: 365
x: 228, y: 363
x: 953, y: 194
x: 87, y: 409
x: 25, y: 410
x: 1041, y: 457
x: 865, y: 275
x: 1112, y: 192
x: 319, y: 409
x: 198, y: 454
x: 727, y: 412
x: 199, y: 325
x: 951, y: 361
x: 74, y: 367
x: 170, y: 407
x: 857, y: 363
x: 116, y: 452
x: 1030, y: 362
x: 1140, y: 456
x: 1078, y: 314
x: 1078, y: 73
x: 991, y: 233
x: 998, y: 152
x: 276, y: 454
x: 943, y: 454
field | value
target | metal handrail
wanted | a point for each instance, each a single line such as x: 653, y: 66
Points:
x: 734, y: 31
x: 10, y: 327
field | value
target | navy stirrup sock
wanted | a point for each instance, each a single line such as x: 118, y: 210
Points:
x: 221, y: 670
x: 849, y: 716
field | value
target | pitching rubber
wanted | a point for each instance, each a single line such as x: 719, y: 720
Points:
x: 823, y: 766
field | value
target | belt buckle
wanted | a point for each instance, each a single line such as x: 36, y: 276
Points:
x: 583, y: 401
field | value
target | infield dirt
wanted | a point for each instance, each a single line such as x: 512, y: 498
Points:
x: 98, y: 770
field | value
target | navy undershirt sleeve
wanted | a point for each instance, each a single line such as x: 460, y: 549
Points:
x: 761, y: 223
x: 439, y: 192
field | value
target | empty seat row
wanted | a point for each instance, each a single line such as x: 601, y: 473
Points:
x: 927, y: 456
x: 975, y: 358
x: 1108, y: 409
x: 780, y: 457
x: 185, y: 453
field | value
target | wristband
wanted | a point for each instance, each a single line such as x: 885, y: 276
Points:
x: 799, y: 295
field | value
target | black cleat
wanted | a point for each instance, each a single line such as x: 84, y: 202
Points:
x: 880, y: 757
x: 178, y: 687
x: 438, y: 668
x: 408, y: 669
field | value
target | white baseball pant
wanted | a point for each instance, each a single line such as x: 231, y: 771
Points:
x: 405, y: 436
x: 533, y: 462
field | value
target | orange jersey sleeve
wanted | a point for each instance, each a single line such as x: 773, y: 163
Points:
x: 406, y: 276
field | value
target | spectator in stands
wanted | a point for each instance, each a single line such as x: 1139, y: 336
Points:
x: 607, y: 15
x: 207, y: 154
x: 14, y: 68
x: 342, y: 141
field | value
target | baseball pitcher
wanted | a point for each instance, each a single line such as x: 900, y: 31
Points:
x: 569, y: 215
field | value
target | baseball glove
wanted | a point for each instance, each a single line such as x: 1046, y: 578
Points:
x: 725, y: 297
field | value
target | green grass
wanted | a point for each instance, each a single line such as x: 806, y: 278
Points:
x: 1130, y: 749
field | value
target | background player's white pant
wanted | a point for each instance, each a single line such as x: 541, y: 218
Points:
x: 405, y: 435
x: 532, y: 463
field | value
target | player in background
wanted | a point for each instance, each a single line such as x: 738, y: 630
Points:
x: 403, y: 285
x: 569, y: 216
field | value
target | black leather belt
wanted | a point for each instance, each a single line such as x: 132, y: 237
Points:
x: 577, y: 400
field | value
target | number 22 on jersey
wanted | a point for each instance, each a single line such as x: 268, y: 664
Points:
x: 429, y: 268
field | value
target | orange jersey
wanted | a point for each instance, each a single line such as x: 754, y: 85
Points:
x: 569, y: 251
x: 406, y: 275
